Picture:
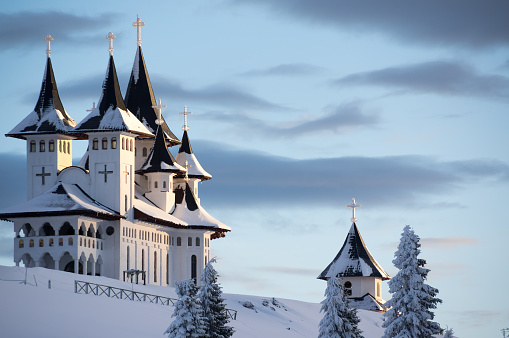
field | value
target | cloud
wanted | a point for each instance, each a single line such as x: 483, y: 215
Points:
x: 464, y: 23
x: 295, y: 69
x: 481, y: 318
x: 341, y: 119
x: 447, y: 242
x: 290, y: 271
x: 438, y: 77
x: 27, y: 28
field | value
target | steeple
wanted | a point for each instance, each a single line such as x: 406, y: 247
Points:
x: 111, y: 113
x: 160, y: 159
x: 139, y: 97
x: 49, y: 115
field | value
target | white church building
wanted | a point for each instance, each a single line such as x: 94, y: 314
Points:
x: 129, y: 205
x: 360, y: 273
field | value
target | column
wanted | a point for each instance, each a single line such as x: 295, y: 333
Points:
x: 76, y: 266
x: 57, y: 265
x: 93, y: 268
x: 37, y: 264
x: 85, y: 267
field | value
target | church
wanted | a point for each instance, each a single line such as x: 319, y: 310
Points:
x: 360, y: 273
x: 129, y: 206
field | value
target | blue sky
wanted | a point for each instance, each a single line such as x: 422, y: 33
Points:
x: 298, y: 107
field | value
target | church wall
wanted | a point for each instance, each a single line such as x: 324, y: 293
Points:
x: 75, y: 175
x: 141, y: 154
x: 160, y: 190
x: 363, y: 285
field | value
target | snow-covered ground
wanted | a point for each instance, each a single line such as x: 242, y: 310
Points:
x: 35, y: 310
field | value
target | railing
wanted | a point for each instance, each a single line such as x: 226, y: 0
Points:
x: 113, y: 292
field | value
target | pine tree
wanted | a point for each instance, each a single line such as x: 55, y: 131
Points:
x: 449, y: 333
x: 339, y: 320
x: 410, y: 314
x: 188, y: 312
x: 214, y: 308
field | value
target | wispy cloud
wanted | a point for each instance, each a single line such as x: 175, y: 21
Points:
x: 438, y: 77
x: 463, y: 23
x: 290, y: 271
x: 289, y: 70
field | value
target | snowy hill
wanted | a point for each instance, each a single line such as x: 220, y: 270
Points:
x: 36, y: 310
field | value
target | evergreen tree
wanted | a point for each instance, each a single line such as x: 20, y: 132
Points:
x: 410, y: 314
x: 214, y: 308
x: 449, y: 333
x: 188, y: 312
x: 339, y: 320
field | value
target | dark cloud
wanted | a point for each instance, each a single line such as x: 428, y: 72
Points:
x: 295, y: 69
x: 439, y: 77
x: 464, y: 23
x: 28, y: 28
x: 343, y: 118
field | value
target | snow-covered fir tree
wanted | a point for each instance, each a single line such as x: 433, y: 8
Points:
x: 410, y: 314
x: 213, y: 305
x: 339, y: 320
x: 449, y: 333
x: 188, y: 312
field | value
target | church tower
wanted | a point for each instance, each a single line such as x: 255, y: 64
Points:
x: 361, y: 274
x: 49, y: 146
x: 111, y: 130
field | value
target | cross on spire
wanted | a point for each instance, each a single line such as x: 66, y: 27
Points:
x: 44, y: 174
x: 105, y: 173
x: 353, y: 205
x: 138, y: 24
x: 48, y: 40
x: 159, y: 120
x: 187, y: 166
x: 185, y: 113
x: 110, y: 37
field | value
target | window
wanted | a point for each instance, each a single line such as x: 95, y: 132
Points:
x: 32, y: 146
x: 155, y: 267
x: 144, y: 152
x: 197, y: 241
x: 155, y: 184
x: 179, y: 241
x: 125, y: 202
x: 167, y: 268
x: 60, y: 242
x: 189, y: 241
x: 95, y: 144
x: 378, y: 290
x: 51, y: 242
x: 21, y: 243
x: 113, y: 143
x: 164, y: 184
x: 123, y: 143
x: 142, y: 260
x: 41, y: 242
x: 59, y: 146
x: 128, y: 258
x: 130, y: 145
x: 105, y: 143
x: 68, y: 147
x: 31, y: 243
x: 193, y: 268
x: 42, y: 146
x: 348, y: 288
x: 51, y: 146
x: 81, y: 241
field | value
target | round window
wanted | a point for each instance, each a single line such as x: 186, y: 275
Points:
x: 110, y: 231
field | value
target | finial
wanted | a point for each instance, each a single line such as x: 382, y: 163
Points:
x: 93, y: 107
x: 48, y: 40
x: 353, y: 206
x: 159, y: 120
x: 110, y: 37
x: 138, y: 24
x: 187, y: 166
x: 185, y: 113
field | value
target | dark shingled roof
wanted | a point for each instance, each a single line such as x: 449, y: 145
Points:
x: 160, y: 159
x: 185, y: 153
x: 354, y: 259
x: 139, y: 98
x: 111, y: 113
x: 185, y: 147
x: 49, y: 115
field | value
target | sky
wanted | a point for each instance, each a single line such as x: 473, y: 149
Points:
x: 298, y: 107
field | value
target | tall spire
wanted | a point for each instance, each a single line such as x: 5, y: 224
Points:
x: 49, y: 115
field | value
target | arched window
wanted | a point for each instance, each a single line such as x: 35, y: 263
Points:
x: 95, y: 144
x: 81, y: 241
x: 41, y: 242
x: 155, y: 184
x: 21, y: 243
x: 33, y: 145
x: 189, y: 241
x: 125, y: 202
x: 88, y: 243
x: 90, y: 231
x: 164, y: 184
x: 155, y: 267
x: 378, y: 290
x: 179, y: 241
x: 42, y: 146
x: 59, y: 146
x: 105, y: 143
x: 113, y: 143
x: 167, y: 268
x: 31, y: 243
x: 142, y: 259
x: 144, y: 152
x: 93, y: 244
x: 193, y: 268
x: 128, y: 259
x: 348, y: 288
x: 68, y: 147
x: 60, y: 242
x: 131, y: 145
x: 197, y: 241
x: 51, y: 242
x: 51, y: 146
x: 48, y: 230
x: 123, y: 143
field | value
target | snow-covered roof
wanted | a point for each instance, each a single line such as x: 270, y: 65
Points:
x: 111, y: 113
x: 62, y: 199
x: 185, y: 153
x: 49, y: 115
x: 366, y: 302
x: 147, y: 211
x: 189, y: 210
x: 160, y: 159
x: 140, y: 100
x: 354, y: 260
